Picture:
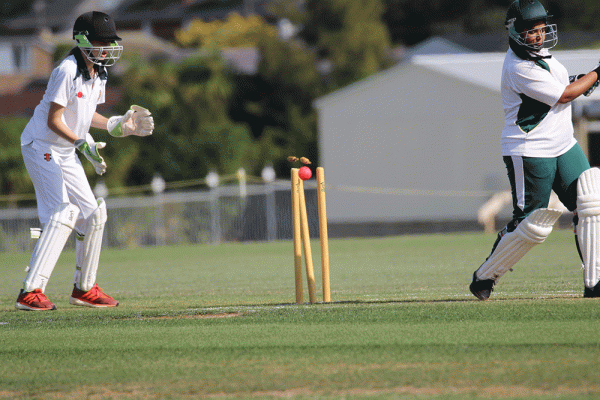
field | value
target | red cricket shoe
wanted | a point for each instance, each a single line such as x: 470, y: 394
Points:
x: 35, y: 300
x: 95, y: 297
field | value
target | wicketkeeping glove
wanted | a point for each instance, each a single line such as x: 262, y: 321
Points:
x: 137, y: 121
x: 90, y: 151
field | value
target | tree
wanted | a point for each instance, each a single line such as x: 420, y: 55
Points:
x: 14, y: 178
x: 350, y: 35
x: 235, y: 31
x: 410, y: 22
x: 576, y: 15
x: 193, y: 132
x: 276, y: 102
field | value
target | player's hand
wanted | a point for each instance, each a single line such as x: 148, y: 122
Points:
x: 137, y: 121
x: 90, y: 151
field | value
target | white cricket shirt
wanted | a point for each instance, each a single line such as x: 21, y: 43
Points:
x: 529, y: 90
x: 69, y: 88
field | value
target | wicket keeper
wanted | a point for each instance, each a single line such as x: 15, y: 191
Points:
x: 60, y: 125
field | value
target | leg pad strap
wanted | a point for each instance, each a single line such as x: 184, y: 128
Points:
x: 532, y: 231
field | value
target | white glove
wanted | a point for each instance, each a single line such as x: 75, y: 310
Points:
x: 137, y: 121
x: 90, y: 151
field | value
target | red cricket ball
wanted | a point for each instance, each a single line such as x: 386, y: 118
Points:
x: 304, y: 173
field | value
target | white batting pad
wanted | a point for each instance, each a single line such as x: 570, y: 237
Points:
x: 49, y: 246
x: 87, y: 249
x: 588, y: 228
x: 514, y: 245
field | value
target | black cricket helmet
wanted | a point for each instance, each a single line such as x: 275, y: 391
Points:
x: 97, y: 26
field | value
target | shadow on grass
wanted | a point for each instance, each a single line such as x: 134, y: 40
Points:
x: 406, y: 301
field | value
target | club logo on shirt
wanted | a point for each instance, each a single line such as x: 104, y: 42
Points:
x: 47, y: 157
x: 80, y: 95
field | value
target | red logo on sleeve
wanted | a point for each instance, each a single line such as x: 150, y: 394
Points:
x: 47, y: 157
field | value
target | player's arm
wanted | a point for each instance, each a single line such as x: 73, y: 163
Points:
x: 580, y: 86
x: 56, y: 124
x: 99, y: 121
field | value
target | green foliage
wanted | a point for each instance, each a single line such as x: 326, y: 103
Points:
x: 14, y: 178
x: 576, y: 15
x: 15, y: 8
x: 349, y: 34
x: 484, y: 20
x: 275, y: 104
x: 235, y: 31
x: 410, y: 22
x: 290, y: 82
x: 193, y: 132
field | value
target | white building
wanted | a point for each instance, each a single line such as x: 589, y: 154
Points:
x: 421, y: 140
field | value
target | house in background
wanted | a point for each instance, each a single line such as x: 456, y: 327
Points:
x: 27, y: 30
x: 24, y: 59
x: 421, y: 140
x: 30, y: 32
x: 163, y: 18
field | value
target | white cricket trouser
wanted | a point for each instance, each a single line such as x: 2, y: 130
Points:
x: 59, y: 178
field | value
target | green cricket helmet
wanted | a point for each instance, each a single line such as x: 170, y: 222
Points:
x: 97, y: 26
x: 521, y: 16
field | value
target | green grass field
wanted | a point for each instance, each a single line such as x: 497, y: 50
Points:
x: 219, y: 322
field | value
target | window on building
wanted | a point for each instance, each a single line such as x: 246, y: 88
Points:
x: 14, y: 58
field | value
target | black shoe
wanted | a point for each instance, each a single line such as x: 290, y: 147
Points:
x: 594, y: 292
x: 481, y: 289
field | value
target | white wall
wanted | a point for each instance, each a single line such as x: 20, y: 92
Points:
x: 410, y: 128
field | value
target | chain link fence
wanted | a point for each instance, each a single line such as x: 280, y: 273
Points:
x: 259, y: 212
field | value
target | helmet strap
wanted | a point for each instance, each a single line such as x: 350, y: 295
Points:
x: 523, y: 53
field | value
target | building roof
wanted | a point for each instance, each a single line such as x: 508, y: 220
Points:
x: 438, y: 45
x: 485, y: 69
x: 498, y: 41
x: 480, y: 69
x: 481, y: 43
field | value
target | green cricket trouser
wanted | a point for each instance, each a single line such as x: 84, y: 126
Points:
x: 532, y: 180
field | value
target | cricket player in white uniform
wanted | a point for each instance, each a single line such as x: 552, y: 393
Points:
x: 540, y: 151
x: 60, y: 125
